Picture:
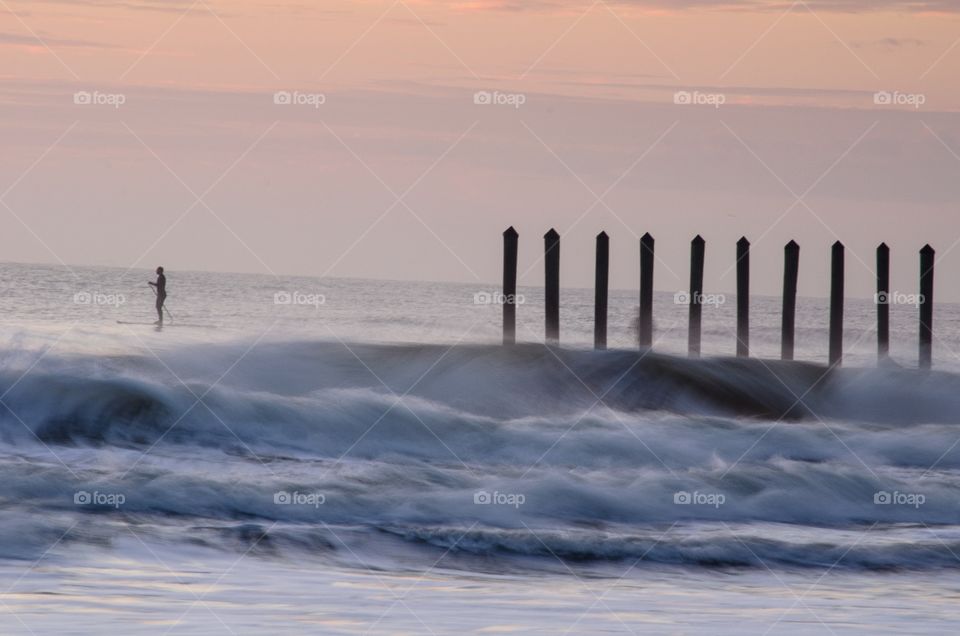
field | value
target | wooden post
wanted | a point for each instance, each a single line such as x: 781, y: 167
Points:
x: 509, y: 286
x: 836, y: 305
x: 646, y: 291
x: 791, y: 269
x: 926, y: 306
x: 600, y: 291
x: 883, y: 302
x: 696, y: 294
x: 551, y: 244
x: 743, y: 297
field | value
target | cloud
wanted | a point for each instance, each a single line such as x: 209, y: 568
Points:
x: 177, y: 6
x: 890, y: 43
x: 22, y: 40
x: 823, y: 6
x: 745, y: 91
x: 222, y: 8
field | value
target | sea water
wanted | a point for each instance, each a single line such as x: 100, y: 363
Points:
x: 337, y: 456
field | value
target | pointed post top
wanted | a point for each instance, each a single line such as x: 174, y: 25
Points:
x: 927, y: 249
x: 602, y: 235
x: 792, y: 245
x: 743, y: 241
x: 646, y: 238
x: 698, y: 239
x: 510, y: 231
x: 838, y: 245
x: 883, y: 247
x: 552, y: 234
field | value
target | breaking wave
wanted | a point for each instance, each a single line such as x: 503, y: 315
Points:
x: 483, y: 452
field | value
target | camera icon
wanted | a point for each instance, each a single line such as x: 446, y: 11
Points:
x: 881, y: 298
x: 82, y: 498
x: 282, y: 98
x: 282, y: 498
x: 283, y: 298
x: 83, y: 298
x: 82, y: 98
x: 682, y: 498
x: 882, y: 497
x: 482, y: 497
x: 682, y: 97
x: 483, y: 98
x: 681, y: 298
x: 883, y: 98
x: 483, y: 298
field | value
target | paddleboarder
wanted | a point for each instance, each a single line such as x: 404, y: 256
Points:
x: 161, y: 289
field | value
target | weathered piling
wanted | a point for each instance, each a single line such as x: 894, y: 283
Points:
x: 646, y: 291
x: 695, y: 297
x: 743, y: 297
x: 509, y: 286
x: 836, y: 304
x: 883, y: 301
x: 602, y: 280
x: 927, y: 255
x: 791, y: 269
x: 551, y: 245
x: 696, y: 294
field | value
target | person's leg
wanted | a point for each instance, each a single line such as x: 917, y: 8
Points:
x: 159, y: 309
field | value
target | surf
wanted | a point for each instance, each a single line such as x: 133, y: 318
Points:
x: 597, y: 451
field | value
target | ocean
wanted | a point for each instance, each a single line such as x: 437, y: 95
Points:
x: 297, y: 455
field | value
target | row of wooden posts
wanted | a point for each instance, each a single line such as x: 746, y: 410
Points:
x: 697, y: 250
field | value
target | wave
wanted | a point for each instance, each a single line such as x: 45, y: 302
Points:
x: 403, y: 443
x: 320, y: 388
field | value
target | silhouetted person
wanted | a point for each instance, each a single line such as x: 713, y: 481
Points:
x: 161, y: 286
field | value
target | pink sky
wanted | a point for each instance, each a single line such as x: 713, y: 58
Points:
x: 400, y: 174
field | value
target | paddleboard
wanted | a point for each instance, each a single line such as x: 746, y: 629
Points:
x: 166, y: 324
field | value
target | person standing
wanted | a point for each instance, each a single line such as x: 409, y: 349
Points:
x: 161, y: 289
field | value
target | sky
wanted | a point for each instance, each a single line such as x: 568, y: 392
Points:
x: 398, y: 139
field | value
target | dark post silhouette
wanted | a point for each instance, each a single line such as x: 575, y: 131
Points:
x: 696, y: 294
x: 791, y: 269
x: 836, y: 305
x: 646, y: 291
x: 551, y: 245
x: 600, y: 291
x: 743, y: 297
x: 883, y: 301
x: 926, y: 306
x: 509, y: 285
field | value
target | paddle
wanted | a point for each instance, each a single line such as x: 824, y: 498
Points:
x: 164, y: 304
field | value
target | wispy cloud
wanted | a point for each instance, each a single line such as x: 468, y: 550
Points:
x: 890, y: 43
x: 29, y: 41
x: 174, y: 6
x: 222, y: 7
x: 824, y: 6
